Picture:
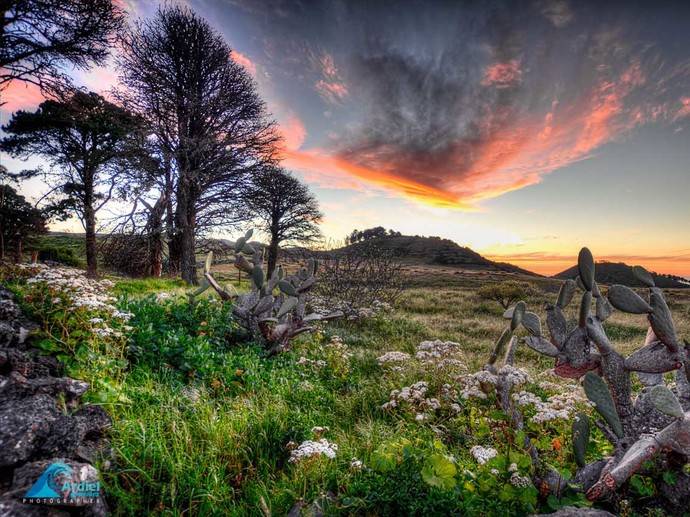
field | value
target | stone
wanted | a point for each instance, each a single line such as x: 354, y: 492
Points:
x: 24, y: 426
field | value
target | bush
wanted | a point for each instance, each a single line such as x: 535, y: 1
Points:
x: 505, y: 293
x: 62, y: 254
x: 174, y: 335
x: 361, y: 277
x: 127, y: 254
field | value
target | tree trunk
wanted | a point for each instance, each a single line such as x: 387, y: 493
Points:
x: 18, y: 249
x: 90, y: 227
x: 272, y: 256
x: 185, y: 232
x: 173, y: 241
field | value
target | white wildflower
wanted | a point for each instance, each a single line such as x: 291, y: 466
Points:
x: 393, y: 357
x: 308, y: 449
x: 520, y: 481
x: 356, y: 464
x: 483, y: 454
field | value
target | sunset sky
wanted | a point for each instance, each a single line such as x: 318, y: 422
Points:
x: 523, y: 130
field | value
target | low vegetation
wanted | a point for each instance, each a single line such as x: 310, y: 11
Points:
x: 378, y: 415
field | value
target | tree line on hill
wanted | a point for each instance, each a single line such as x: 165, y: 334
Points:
x: 185, y: 139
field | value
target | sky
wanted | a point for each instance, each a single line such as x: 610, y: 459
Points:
x: 524, y: 130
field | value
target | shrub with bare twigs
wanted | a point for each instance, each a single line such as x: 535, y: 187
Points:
x: 360, y: 280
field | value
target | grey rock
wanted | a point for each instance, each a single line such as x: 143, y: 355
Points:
x: 24, y: 426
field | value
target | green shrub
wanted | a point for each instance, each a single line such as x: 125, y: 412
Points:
x: 62, y: 254
x: 506, y: 293
x: 190, y: 339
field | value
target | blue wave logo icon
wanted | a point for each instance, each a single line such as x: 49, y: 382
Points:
x: 50, y: 484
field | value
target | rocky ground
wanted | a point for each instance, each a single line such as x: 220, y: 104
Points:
x: 42, y: 420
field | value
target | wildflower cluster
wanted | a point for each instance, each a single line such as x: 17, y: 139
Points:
x: 310, y: 449
x: 324, y: 306
x: 414, y: 398
x: 442, y: 354
x: 483, y: 454
x: 393, y: 357
x: 81, y: 291
x: 560, y: 406
x: 481, y: 383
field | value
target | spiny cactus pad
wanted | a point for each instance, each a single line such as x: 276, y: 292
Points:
x: 598, y: 392
x: 665, y: 401
x: 625, y: 299
x: 580, y: 438
x: 585, y: 265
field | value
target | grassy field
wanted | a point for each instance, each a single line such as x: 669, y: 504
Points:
x: 205, y: 425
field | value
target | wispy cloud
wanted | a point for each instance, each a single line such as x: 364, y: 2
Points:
x: 244, y: 61
x: 503, y: 75
x: 331, y: 86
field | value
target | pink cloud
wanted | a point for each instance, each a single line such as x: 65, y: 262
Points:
x: 331, y: 92
x: 293, y: 132
x: 21, y: 95
x: 331, y: 86
x: 244, y: 61
x: 502, y: 75
x: 515, y: 149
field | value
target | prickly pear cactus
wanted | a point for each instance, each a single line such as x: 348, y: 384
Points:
x: 657, y: 420
x: 274, y: 310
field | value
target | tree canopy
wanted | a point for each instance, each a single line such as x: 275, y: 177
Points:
x: 39, y: 38
x: 284, y: 208
x: 85, y: 139
x: 210, y: 127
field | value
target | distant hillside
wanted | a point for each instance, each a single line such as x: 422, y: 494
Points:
x: 620, y: 273
x: 435, y: 250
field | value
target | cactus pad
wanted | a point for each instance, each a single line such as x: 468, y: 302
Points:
x: 580, y: 438
x: 597, y: 391
x: 625, y: 299
x: 665, y: 401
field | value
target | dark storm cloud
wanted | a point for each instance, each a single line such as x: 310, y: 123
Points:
x: 475, y: 99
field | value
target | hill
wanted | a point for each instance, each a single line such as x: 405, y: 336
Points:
x: 413, y: 249
x: 621, y: 273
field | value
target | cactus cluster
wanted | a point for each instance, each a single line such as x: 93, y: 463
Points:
x: 657, y: 420
x: 273, y: 311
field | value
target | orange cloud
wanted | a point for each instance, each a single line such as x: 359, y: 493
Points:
x: 513, y: 152
x: 20, y: 95
x: 503, y: 75
x: 332, y: 171
x: 244, y: 61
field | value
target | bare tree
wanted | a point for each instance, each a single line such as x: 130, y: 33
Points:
x: 39, y: 37
x: 284, y: 208
x: 208, y: 122
x: 84, y: 138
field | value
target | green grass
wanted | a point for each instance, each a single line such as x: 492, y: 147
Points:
x: 203, y: 422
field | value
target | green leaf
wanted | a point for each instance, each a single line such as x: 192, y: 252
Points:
x: 439, y: 471
x: 669, y: 477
